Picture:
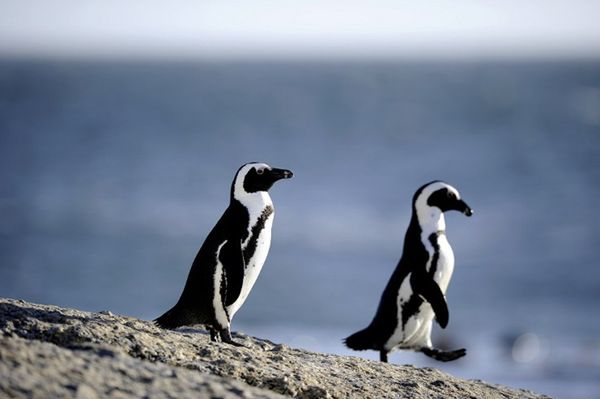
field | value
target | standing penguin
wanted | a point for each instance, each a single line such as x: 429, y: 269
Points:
x: 415, y: 292
x: 229, y: 261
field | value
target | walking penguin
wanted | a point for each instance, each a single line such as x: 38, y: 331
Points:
x: 229, y: 261
x: 416, y: 290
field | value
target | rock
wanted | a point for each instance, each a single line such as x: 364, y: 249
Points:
x: 48, y: 351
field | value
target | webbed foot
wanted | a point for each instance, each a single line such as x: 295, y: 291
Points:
x: 226, y: 338
x: 444, y: 356
x: 383, y: 356
x: 214, y: 336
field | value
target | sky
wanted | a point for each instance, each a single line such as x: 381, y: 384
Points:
x: 300, y: 29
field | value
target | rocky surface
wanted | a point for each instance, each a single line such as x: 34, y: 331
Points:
x: 48, y: 351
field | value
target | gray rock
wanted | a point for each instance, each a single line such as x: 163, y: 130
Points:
x: 48, y: 351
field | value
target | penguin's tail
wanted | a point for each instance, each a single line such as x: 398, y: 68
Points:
x: 362, y: 340
x: 173, y: 318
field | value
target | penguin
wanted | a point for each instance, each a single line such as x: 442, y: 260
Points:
x: 416, y: 290
x: 231, y: 257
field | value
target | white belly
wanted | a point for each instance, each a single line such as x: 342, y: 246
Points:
x: 254, y: 265
x: 220, y: 314
x: 417, y: 331
x: 445, y: 264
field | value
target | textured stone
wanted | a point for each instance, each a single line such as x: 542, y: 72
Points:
x: 48, y: 351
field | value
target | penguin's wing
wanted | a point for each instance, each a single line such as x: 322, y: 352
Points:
x: 232, y: 258
x: 423, y: 285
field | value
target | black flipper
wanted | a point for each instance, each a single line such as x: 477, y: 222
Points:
x: 424, y: 286
x: 232, y: 258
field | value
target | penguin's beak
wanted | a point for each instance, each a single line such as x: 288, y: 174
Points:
x: 278, y: 174
x: 462, y: 206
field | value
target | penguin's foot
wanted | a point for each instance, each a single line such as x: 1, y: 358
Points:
x: 383, y: 356
x: 214, y: 336
x: 444, y: 356
x: 226, y: 338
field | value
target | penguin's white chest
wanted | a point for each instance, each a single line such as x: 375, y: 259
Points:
x: 416, y: 333
x: 256, y: 262
x: 259, y: 237
x: 444, y: 262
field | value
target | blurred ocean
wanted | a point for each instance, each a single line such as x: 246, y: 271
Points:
x: 112, y: 174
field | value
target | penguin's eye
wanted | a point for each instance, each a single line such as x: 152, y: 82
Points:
x: 450, y: 194
x: 260, y: 171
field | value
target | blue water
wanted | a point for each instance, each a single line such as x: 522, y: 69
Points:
x: 112, y: 173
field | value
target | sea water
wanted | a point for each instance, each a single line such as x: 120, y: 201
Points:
x: 112, y: 174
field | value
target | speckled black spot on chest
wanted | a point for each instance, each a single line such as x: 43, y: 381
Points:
x: 410, y: 308
x: 255, y: 233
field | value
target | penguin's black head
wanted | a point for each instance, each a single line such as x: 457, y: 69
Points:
x: 448, y: 199
x: 442, y: 196
x: 254, y: 177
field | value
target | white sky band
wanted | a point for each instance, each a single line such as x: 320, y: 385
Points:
x: 287, y: 29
